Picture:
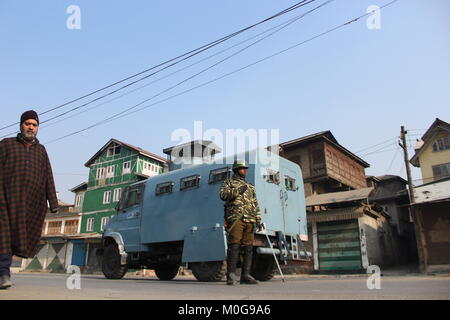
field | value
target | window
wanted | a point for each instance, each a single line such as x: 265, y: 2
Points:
x: 90, y: 224
x: 71, y: 226
x: 78, y: 200
x: 104, y: 221
x: 126, y: 167
x: 113, y: 150
x: 441, y: 144
x: 107, y: 197
x: 110, y: 171
x: 162, y: 188
x: 190, y: 182
x: 272, y: 176
x: 441, y: 171
x: 54, y: 227
x: 289, y: 183
x: 116, y: 194
x: 133, y: 196
x: 100, y: 173
x: 218, y: 175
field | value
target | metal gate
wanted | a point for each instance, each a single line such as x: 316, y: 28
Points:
x: 339, y: 245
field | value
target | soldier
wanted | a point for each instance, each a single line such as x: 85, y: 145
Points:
x: 241, y: 215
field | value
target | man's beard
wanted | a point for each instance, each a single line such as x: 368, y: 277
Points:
x: 28, y: 136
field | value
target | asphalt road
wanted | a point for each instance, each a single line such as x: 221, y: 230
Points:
x: 32, y: 286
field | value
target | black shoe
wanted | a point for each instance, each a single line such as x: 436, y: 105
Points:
x: 5, y: 282
x: 246, y: 278
x: 232, y: 258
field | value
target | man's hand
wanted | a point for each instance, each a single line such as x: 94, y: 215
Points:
x: 259, y: 226
x: 242, y: 189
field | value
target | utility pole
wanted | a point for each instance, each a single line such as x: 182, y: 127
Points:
x: 420, y: 237
x: 404, y: 146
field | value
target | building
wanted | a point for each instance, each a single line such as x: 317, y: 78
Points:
x: 111, y: 169
x: 432, y: 152
x: 431, y: 207
x: 351, y: 225
x: 390, y: 195
x: 115, y: 166
x: 326, y: 165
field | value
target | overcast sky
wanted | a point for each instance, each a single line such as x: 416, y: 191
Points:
x: 360, y: 83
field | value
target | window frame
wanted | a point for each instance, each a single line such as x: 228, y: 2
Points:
x: 194, y: 177
x: 107, y: 197
x: 293, y: 187
x: 123, y: 203
x: 220, y: 171
x: 272, y: 173
x: 161, y: 185
x: 90, y: 224
x: 117, y: 193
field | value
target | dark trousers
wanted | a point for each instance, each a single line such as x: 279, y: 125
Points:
x: 242, y: 233
x: 5, y: 264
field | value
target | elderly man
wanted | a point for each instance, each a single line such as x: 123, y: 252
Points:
x: 26, y: 183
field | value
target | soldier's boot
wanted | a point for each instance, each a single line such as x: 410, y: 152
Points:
x: 5, y: 282
x: 232, y: 258
x: 246, y: 278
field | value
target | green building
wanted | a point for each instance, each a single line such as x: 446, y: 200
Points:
x: 115, y: 166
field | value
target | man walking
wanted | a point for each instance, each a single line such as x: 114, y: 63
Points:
x: 241, y: 215
x: 26, y: 183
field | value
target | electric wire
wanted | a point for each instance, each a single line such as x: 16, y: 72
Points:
x: 121, y: 114
x: 286, y: 23
x: 184, y: 57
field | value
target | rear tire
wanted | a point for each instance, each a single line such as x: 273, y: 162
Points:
x: 166, y: 271
x: 111, y: 267
x: 263, y: 267
x: 209, y: 271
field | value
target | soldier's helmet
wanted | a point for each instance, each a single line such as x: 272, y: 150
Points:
x: 239, y: 163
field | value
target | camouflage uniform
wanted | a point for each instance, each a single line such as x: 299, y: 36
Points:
x: 241, y: 210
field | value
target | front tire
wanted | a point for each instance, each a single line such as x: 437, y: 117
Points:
x: 166, y: 271
x: 263, y: 267
x: 209, y: 271
x: 111, y: 267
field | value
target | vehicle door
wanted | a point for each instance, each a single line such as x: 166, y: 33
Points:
x: 129, y: 214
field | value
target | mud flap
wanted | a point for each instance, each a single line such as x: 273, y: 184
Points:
x: 207, y: 244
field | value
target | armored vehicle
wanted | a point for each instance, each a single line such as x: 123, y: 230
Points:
x: 177, y: 219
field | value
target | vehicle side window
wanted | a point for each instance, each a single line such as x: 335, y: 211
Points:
x: 163, y: 188
x: 131, y: 197
x: 218, y: 175
x: 272, y: 176
x: 289, y: 183
x: 190, y: 182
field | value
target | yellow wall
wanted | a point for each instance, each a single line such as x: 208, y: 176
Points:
x: 428, y: 158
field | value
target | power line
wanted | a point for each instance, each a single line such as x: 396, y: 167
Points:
x: 121, y: 114
x: 376, y: 145
x: 185, y: 56
x: 282, y: 25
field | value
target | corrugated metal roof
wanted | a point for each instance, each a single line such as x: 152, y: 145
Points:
x: 336, y: 214
x: 338, y: 197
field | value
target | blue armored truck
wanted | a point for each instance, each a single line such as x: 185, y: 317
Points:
x: 177, y: 219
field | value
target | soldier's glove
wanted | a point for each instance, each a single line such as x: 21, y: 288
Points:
x: 242, y: 189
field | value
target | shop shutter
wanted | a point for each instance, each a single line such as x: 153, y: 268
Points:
x: 339, y: 245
